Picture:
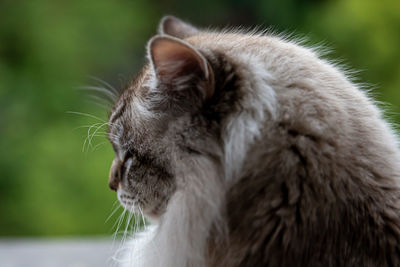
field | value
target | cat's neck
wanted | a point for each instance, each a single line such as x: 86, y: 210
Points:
x: 179, y: 238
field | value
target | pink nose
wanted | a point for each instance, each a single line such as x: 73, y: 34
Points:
x: 115, y: 175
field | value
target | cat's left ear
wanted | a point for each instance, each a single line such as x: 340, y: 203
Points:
x: 175, y: 27
x: 179, y: 66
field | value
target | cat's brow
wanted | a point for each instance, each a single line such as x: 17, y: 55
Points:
x: 118, y: 111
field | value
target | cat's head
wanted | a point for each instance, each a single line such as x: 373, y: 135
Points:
x: 169, y: 113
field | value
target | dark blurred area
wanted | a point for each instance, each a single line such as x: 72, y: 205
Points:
x: 54, y: 166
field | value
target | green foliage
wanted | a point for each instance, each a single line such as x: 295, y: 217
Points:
x: 48, y: 186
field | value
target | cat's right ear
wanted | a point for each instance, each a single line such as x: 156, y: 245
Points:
x: 175, y: 27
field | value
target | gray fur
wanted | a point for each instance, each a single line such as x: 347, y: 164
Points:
x: 286, y: 163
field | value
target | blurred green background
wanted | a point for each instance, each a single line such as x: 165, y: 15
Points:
x: 48, y: 49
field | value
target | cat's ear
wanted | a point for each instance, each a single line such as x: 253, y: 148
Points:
x: 179, y: 66
x: 175, y: 27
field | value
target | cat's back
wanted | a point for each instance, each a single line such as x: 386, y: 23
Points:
x: 323, y: 174
x: 306, y: 94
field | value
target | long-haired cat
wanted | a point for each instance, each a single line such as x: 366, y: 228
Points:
x: 249, y: 150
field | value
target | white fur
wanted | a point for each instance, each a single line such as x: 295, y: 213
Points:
x: 244, y: 127
x: 139, y: 248
x: 179, y: 237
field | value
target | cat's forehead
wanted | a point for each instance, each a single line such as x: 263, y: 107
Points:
x: 133, y: 94
x: 131, y: 112
x: 139, y: 84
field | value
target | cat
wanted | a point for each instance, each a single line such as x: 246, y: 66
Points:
x: 247, y: 149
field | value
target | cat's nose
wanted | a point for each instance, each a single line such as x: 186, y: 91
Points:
x: 115, y: 175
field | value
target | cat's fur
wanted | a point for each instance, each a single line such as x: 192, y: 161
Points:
x: 249, y: 150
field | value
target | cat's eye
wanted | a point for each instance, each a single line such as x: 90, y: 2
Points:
x: 129, y: 155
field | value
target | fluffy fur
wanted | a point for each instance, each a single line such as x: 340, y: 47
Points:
x: 249, y: 150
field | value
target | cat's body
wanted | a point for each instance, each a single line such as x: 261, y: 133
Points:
x: 248, y: 150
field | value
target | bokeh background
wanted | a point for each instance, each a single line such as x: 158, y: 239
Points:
x: 52, y: 182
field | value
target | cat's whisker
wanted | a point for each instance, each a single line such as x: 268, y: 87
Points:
x: 121, y: 232
x: 85, y: 126
x: 106, y: 134
x: 99, y: 127
x: 98, y: 146
x: 136, y: 225
x: 88, y: 131
x: 94, y: 133
x: 125, y: 231
x: 156, y: 248
x: 107, y: 93
x: 109, y: 86
x: 116, y: 202
x: 118, y: 222
x: 88, y: 135
x: 134, y: 218
x: 91, y: 135
x: 101, y: 102
x: 115, y: 224
x: 142, y: 217
x: 112, y: 213
x: 132, y: 224
x: 130, y: 214
x: 101, y: 143
x: 117, y: 232
x: 98, y: 134
x: 85, y: 114
x: 134, y: 230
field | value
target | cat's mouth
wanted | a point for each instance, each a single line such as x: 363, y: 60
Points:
x: 135, y: 205
x: 127, y: 201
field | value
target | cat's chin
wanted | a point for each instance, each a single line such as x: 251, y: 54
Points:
x: 152, y: 218
x: 130, y: 204
x: 127, y: 201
